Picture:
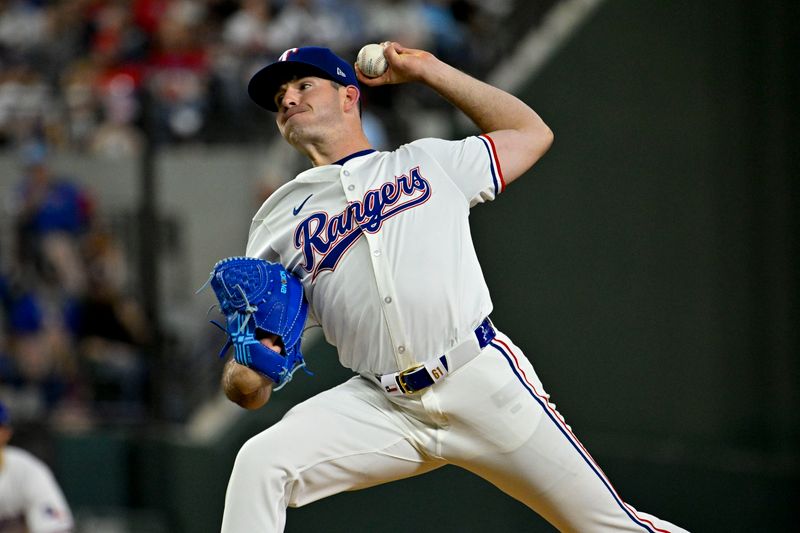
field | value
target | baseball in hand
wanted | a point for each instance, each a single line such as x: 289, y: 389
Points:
x: 370, y: 61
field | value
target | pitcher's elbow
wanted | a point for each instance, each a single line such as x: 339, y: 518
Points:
x: 541, y: 142
x: 547, y: 139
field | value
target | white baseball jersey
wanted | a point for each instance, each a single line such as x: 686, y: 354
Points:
x: 30, y: 495
x: 412, y: 287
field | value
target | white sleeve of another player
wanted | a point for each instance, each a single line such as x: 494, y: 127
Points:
x: 470, y: 163
x: 47, y: 510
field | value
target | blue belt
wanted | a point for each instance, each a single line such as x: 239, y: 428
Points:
x: 423, y: 376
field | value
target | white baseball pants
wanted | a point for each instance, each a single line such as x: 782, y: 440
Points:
x: 491, y: 417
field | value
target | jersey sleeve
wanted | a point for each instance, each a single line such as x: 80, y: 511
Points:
x: 258, y: 245
x: 47, y: 510
x: 260, y: 237
x: 258, y: 242
x: 471, y: 164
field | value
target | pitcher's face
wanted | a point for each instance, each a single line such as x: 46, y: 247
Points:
x: 309, y: 109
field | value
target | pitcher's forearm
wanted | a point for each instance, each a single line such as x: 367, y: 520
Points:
x: 490, y: 108
x: 244, y: 386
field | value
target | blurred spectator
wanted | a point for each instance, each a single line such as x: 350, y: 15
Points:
x: 52, y: 212
x: 23, y: 28
x: 113, y: 36
x: 26, y: 104
x: 111, y: 332
x: 245, y: 42
x: 147, y: 13
x: 178, y: 70
x: 448, y: 36
x: 82, y: 111
x: 37, y: 367
x: 312, y: 21
x: 404, y: 22
x: 30, y: 498
x: 117, y: 136
x: 246, y: 32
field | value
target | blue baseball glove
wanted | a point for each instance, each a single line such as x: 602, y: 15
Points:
x: 257, y: 296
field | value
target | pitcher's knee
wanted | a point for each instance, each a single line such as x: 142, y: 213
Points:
x: 260, y: 469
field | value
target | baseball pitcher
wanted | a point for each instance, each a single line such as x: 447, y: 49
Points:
x: 376, y: 247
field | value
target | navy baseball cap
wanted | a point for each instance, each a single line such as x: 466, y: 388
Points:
x: 304, y: 61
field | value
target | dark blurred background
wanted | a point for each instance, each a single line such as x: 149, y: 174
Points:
x: 648, y: 265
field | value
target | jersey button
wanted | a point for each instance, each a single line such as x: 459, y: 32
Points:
x: 376, y: 253
x: 388, y: 299
x: 346, y: 172
x: 401, y: 349
x: 351, y: 187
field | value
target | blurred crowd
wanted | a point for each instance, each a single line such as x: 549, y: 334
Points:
x: 100, y: 76
x: 73, y: 339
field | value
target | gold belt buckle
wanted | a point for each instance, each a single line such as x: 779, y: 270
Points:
x: 401, y: 378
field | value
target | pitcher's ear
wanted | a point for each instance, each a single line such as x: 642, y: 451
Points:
x: 353, y: 96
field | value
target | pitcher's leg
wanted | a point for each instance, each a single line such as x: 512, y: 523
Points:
x: 563, y: 484
x: 554, y: 473
x: 342, y: 439
x: 548, y: 468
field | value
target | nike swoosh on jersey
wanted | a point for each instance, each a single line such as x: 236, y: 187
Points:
x: 297, y: 209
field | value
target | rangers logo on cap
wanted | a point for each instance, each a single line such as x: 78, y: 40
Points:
x: 285, y: 55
